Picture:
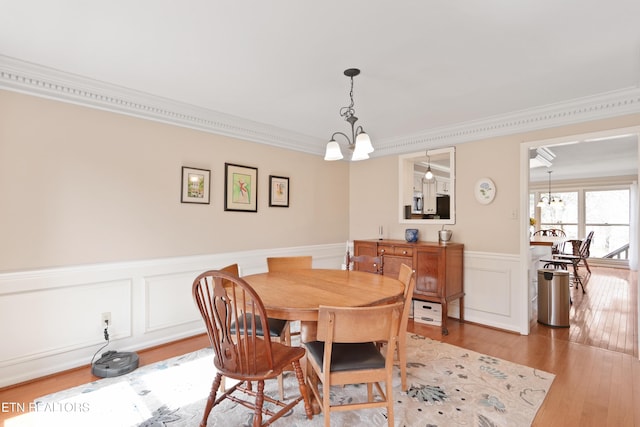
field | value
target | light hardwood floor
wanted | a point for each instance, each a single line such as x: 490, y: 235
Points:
x: 594, y: 386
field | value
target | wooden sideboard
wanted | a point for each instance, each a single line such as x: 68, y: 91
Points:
x: 438, y: 268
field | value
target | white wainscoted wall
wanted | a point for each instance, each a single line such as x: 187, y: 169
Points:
x: 51, y: 319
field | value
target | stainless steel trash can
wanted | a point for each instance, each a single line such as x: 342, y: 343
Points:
x: 553, y: 297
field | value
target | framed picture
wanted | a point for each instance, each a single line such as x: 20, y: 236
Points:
x: 195, y: 185
x: 278, y: 191
x: 240, y: 188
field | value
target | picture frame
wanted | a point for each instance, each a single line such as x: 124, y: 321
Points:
x: 196, y: 185
x: 240, y: 188
x: 278, y: 191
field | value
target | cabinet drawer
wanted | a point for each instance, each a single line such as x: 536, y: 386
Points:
x: 429, y: 313
x: 395, y: 250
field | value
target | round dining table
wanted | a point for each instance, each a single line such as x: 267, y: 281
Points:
x: 297, y: 294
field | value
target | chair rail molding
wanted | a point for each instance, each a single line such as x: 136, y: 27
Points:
x: 37, y: 80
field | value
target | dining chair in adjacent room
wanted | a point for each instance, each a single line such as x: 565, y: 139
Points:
x: 552, y: 232
x: 242, y: 354
x: 345, y: 353
x: 368, y: 263
x: 278, y: 329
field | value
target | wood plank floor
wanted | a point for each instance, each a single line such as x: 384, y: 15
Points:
x: 605, y: 316
x: 597, y: 374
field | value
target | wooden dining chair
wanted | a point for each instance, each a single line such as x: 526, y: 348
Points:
x: 243, y: 354
x: 368, y: 263
x: 406, y: 276
x: 553, y: 232
x: 278, y: 329
x: 289, y: 263
x: 286, y: 264
x: 345, y: 353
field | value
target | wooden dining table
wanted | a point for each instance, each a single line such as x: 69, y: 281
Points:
x: 297, y: 294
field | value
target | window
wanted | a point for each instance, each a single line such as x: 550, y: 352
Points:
x: 607, y: 215
x: 563, y: 216
x: 606, y: 212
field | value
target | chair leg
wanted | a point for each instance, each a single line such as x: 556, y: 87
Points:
x: 389, y: 396
x: 211, y: 400
x: 257, y: 417
x: 401, y: 348
x: 304, y: 391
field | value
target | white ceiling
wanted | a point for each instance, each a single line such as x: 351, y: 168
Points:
x: 426, y: 65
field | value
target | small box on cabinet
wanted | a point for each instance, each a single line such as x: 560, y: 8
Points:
x: 428, y: 313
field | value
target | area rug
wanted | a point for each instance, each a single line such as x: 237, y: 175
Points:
x: 448, y: 386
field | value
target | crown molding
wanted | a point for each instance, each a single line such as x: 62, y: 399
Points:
x: 580, y: 110
x: 36, y: 80
x: 33, y: 79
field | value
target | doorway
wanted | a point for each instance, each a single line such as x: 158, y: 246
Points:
x: 596, y: 165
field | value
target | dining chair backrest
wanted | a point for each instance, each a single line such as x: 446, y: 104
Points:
x: 553, y: 232
x: 289, y: 263
x: 359, y: 324
x: 407, y: 277
x: 224, y: 299
x: 370, y: 264
x: 585, y: 247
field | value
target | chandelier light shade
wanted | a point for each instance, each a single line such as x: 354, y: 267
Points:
x: 359, y: 143
x: 550, y: 200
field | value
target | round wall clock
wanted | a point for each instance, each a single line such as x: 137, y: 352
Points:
x: 485, y: 191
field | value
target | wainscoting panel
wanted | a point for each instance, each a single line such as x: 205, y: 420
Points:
x: 169, y: 301
x: 51, y: 318
x: 493, y: 294
x: 45, y: 322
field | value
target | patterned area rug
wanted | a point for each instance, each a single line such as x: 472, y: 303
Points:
x: 449, y: 386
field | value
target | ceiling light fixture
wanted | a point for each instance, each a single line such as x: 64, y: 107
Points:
x: 428, y: 176
x: 359, y: 142
x: 550, y: 200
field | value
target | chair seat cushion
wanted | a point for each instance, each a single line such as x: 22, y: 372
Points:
x: 348, y: 356
x: 276, y: 326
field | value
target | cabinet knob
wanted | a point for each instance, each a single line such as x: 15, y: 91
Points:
x: 404, y: 252
x: 381, y: 251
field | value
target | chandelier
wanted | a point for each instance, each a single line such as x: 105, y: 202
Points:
x: 550, y: 200
x: 359, y: 142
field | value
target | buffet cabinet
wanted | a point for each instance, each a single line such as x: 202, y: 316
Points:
x: 438, y: 268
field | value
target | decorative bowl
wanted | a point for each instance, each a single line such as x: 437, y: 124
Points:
x: 411, y: 235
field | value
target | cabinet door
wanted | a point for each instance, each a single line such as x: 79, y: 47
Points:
x: 428, y: 271
x: 392, y: 264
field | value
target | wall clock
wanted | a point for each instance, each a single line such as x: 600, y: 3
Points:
x: 485, y: 191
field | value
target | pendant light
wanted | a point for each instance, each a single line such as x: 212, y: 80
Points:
x: 428, y: 176
x: 549, y: 200
x: 359, y: 143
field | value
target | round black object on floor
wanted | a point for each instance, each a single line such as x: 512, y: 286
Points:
x: 113, y: 364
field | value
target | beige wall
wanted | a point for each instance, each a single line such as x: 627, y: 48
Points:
x: 483, y: 228
x: 79, y: 185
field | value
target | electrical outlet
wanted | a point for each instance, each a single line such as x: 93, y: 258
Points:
x: 105, y: 319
